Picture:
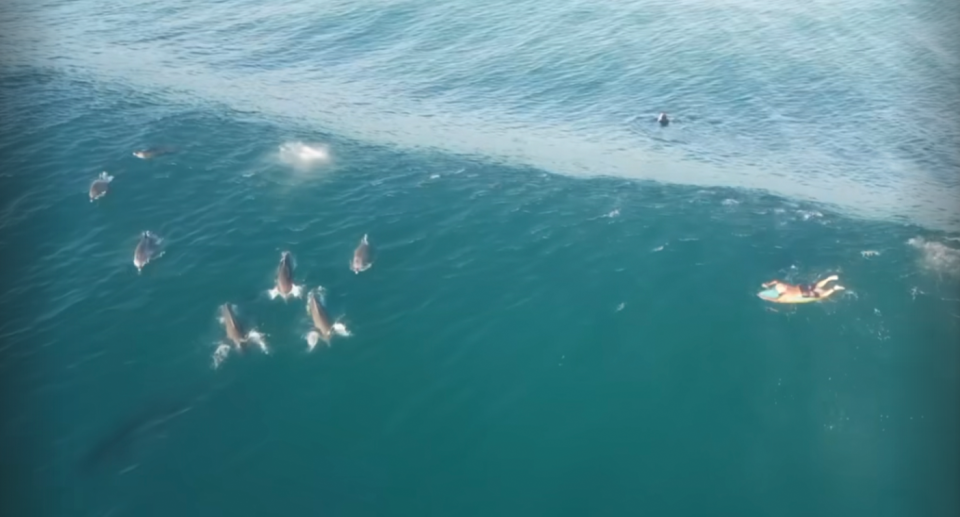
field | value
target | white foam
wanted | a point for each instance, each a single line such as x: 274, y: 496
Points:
x: 302, y: 156
x: 259, y: 339
x: 220, y: 355
x: 296, y: 291
x: 313, y: 337
x: 937, y: 257
x: 341, y: 329
x: 364, y: 106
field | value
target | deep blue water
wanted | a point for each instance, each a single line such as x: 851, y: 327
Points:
x: 561, y: 316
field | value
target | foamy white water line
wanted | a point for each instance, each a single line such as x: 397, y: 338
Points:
x: 382, y: 112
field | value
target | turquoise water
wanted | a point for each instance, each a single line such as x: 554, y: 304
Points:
x: 561, y: 318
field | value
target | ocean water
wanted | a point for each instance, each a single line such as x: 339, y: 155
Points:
x: 561, y: 315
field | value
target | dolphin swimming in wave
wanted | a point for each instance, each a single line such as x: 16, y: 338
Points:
x: 100, y: 186
x: 152, y: 152
x: 284, y: 286
x: 236, y: 336
x: 322, y: 327
x: 361, y: 256
x: 148, y: 248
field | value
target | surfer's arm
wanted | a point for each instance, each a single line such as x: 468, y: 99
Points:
x: 771, y: 283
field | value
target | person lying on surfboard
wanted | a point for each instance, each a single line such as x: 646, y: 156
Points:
x: 777, y: 291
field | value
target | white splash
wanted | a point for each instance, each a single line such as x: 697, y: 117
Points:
x: 937, y: 257
x: 220, y: 355
x: 341, y: 329
x: 914, y: 291
x: 304, y: 156
x: 258, y: 338
x: 313, y: 337
x: 296, y: 291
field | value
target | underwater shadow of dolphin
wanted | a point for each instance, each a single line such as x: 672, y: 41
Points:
x: 119, y: 444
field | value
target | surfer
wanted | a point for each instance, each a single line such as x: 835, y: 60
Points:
x: 777, y: 291
x: 663, y: 119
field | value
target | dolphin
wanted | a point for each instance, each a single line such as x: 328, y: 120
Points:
x: 117, y: 445
x: 361, y: 256
x: 147, y: 249
x: 285, y: 286
x: 322, y: 327
x: 235, y: 332
x: 100, y: 186
x: 152, y: 152
x: 152, y: 419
